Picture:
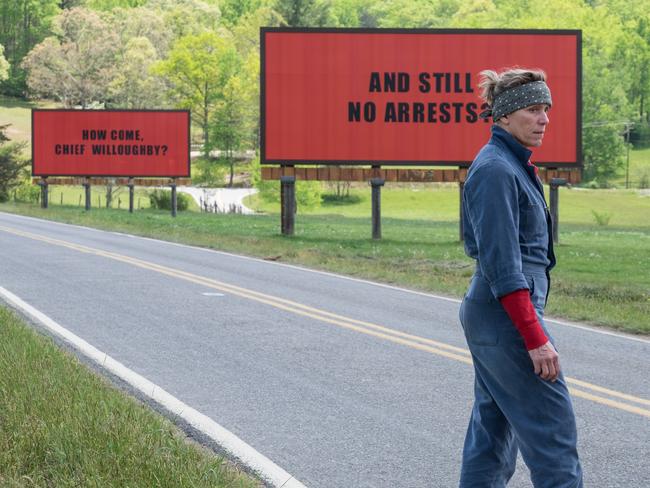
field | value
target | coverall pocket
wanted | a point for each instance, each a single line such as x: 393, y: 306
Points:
x: 483, y: 321
x: 533, y: 222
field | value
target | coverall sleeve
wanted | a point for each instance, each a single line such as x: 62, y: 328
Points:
x: 491, y: 203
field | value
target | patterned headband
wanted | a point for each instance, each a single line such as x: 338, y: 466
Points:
x: 522, y: 96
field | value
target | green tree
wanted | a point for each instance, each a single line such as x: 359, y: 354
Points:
x: 134, y: 86
x: 77, y: 65
x: 145, y: 22
x: 413, y: 13
x: 303, y: 13
x: 23, y: 24
x: 109, y: 5
x: 12, y: 164
x: 197, y: 69
x: 606, y: 72
x: 188, y: 17
x: 233, y: 10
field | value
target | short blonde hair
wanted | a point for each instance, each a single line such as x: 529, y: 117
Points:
x: 492, y: 83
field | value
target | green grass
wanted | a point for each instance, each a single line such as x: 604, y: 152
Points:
x: 627, y: 208
x: 18, y: 113
x: 603, y: 275
x: 638, y: 172
x: 63, y: 426
x: 75, y: 196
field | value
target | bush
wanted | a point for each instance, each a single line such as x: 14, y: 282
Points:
x: 640, y: 135
x: 162, y: 200
x: 602, y: 219
x: 27, y: 192
x: 209, y: 172
x: 12, y: 164
x: 331, y: 199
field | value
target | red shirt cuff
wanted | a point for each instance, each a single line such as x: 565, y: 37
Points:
x: 522, y: 313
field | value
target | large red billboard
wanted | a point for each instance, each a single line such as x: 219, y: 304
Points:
x: 111, y: 143
x: 405, y: 97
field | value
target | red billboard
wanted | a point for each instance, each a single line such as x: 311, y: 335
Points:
x: 405, y: 97
x: 111, y: 143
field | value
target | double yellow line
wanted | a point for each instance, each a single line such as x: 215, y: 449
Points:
x: 594, y: 392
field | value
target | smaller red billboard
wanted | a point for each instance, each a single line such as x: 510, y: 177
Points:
x: 111, y: 143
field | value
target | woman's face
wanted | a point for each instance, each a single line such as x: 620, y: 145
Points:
x: 528, y: 124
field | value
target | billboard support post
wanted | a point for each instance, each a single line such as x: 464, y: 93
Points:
x: 555, y: 214
x: 44, y: 196
x: 174, y: 201
x: 376, y: 184
x: 287, y: 204
x: 86, y: 186
x: 461, y: 186
x: 131, y: 195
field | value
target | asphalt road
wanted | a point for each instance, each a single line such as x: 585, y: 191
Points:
x: 343, y: 383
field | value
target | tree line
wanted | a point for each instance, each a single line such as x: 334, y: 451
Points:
x: 204, y: 55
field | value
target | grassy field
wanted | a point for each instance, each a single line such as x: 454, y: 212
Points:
x: 603, y: 275
x: 64, y: 426
x: 639, y: 171
x: 440, y: 202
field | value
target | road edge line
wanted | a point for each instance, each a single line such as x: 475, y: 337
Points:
x: 257, y: 462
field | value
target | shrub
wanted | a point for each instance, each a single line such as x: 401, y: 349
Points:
x: 208, y: 172
x: 640, y: 135
x: 26, y: 192
x: 162, y: 200
x: 602, y: 219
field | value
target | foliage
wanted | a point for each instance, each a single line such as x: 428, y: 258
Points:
x: 77, y: 65
x: 235, y: 120
x: 4, y: 65
x: 26, y: 192
x: 188, y: 17
x: 109, y: 5
x: 23, y: 24
x: 197, y: 69
x: 162, y: 200
x: 133, y: 86
x: 640, y: 135
x: 208, y: 172
x: 303, y: 13
x: 601, y: 218
x: 12, y: 164
x: 141, y: 22
x: 161, y: 33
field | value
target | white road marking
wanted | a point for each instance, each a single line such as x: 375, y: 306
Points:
x: 259, y: 463
x: 212, y: 294
x: 335, y: 275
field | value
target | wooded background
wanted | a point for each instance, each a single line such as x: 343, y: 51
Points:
x: 203, y: 55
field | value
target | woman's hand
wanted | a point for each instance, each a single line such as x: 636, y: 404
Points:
x: 546, y: 361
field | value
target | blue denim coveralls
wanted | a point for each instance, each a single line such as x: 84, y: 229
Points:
x: 507, y: 230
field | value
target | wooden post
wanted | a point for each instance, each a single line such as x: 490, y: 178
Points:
x: 376, y: 184
x: 461, y: 186
x: 131, y: 194
x: 44, y: 195
x: 287, y: 204
x: 554, y: 184
x: 174, y: 207
x: 87, y: 190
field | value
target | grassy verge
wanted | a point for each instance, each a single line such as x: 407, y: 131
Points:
x: 63, y: 426
x: 602, y: 276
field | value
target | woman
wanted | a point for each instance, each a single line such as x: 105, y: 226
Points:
x: 521, y: 398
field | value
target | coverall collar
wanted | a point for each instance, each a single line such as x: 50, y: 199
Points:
x: 504, y: 138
